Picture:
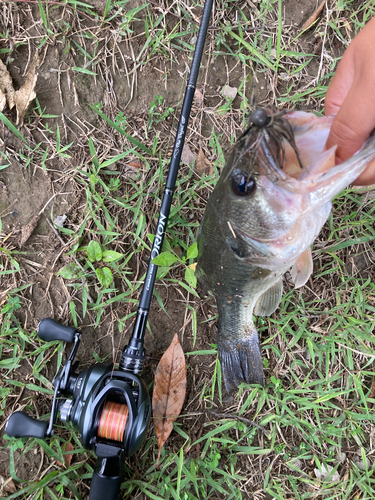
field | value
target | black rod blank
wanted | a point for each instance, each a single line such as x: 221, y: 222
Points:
x: 136, y: 340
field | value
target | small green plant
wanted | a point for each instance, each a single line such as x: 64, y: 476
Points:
x: 168, y: 258
x: 156, y: 113
x: 120, y: 120
x: 95, y: 255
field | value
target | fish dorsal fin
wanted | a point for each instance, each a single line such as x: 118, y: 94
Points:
x: 302, y: 268
x: 269, y: 300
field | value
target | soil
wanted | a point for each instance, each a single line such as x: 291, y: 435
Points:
x: 28, y: 190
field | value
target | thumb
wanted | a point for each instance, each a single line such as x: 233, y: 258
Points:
x: 355, y: 119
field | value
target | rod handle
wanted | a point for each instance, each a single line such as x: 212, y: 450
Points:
x: 107, y: 477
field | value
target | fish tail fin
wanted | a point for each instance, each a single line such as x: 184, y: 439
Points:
x: 241, y: 361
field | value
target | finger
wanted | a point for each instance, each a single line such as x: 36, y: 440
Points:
x: 340, y: 85
x: 367, y: 177
x: 355, y: 119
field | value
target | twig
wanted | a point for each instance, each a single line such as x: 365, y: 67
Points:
x: 74, y: 258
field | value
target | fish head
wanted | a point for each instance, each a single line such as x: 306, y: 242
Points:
x: 275, y: 190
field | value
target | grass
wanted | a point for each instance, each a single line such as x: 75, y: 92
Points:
x: 101, y: 131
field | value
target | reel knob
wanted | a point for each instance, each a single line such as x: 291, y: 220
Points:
x: 48, y: 330
x: 21, y: 425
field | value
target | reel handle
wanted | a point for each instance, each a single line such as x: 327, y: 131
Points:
x: 48, y: 330
x: 19, y: 424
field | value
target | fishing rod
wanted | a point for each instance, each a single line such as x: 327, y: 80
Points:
x: 111, y: 407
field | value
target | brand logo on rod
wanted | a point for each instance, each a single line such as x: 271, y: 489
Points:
x: 158, y: 236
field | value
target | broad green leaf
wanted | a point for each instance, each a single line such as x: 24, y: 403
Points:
x: 190, y: 277
x: 70, y: 271
x: 192, y: 251
x: 104, y: 275
x: 165, y: 259
x: 111, y: 256
x: 94, y: 251
x: 108, y: 278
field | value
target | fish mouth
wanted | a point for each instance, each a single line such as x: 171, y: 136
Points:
x: 266, y: 145
x: 288, y: 150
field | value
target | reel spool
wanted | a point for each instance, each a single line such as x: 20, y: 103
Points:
x: 113, y: 421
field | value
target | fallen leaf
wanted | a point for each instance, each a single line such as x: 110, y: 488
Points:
x: 187, y: 156
x: 202, y: 164
x: 3, y: 101
x: 313, y: 16
x: 198, y: 96
x: 169, y: 391
x: 7, y: 485
x: 67, y: 456
x: 26, y: 93
x: 135, y: 164
x: 27, y: 229
x: 6, y: 85
x: 229, y: 92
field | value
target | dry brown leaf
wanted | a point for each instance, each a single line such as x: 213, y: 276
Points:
x: 27, y: 229
x: 169, y: 391
x: 203, y: 165
x: 198, y: 96
x: 313, y: 16
x: 187, y: 156
x: 136, y: 164
x: 67, y: 456
x: 26, y: 93
x: 7, y: 485
x: 6, y: 85
x: 3, y: 101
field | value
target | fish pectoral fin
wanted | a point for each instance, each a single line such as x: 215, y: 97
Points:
x: 268, y: 302
x: 302, y: 268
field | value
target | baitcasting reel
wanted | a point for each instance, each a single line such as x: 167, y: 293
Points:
x: 110, y: 408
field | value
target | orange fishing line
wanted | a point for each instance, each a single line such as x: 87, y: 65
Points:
x: 112, y: 421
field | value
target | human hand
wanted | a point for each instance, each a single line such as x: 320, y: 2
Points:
x: 351, y: 95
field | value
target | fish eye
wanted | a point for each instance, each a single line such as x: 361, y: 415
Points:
x: 242, y: 184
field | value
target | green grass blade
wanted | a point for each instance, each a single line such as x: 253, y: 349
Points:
x: 119, y: 129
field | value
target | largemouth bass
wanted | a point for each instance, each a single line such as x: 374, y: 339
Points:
x: 269, y: 204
